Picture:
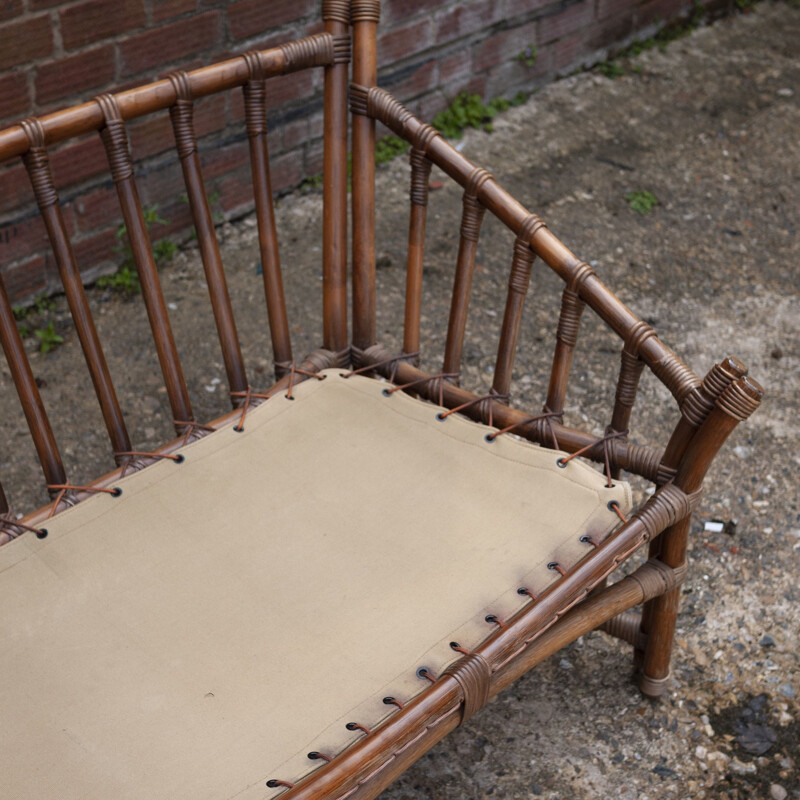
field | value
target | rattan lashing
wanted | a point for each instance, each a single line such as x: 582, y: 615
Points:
x: 709, y: 409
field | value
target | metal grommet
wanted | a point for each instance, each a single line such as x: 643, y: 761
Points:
x: 386, y: 393
x: 116, y: 492
x: 561, y: 463
x: 42, y: 533
x: 238, y: 429
x: 612, y: 505
x: 179, y: 459
x: 441, y: 417
x: 490, y: 437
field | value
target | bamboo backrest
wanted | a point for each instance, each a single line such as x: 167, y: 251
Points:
x: 175, y: 95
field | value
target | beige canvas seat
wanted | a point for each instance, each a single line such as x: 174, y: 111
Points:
x: 202, y: 632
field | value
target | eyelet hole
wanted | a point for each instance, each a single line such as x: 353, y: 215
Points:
x: 42, y: 533
x: 490, y: 437
x: 238, y: 428
x: 553, y: 565
x: 116, y: 492
x: 386, y: 393
x: 441, y: 417
x: 561, y: 463
x: 179, y: 459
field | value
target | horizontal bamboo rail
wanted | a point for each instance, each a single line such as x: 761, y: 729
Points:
x: 320, y: 50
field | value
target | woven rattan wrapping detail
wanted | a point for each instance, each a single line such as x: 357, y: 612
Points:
x: 255, y: 108
x: 656, y: 578
x: 646, y: 461
x: 581, y: 273
x: 420, y: 175
x: 365, y: 11
x: 570, y: 318
x: 668, y: 505
x: 471, y: 218
x: 38, y: 164
x: 629, y: 373
x: 115, y: 139
x: 472, y: 673
x: 336, y: 11
x: 626, y: 626
x: 699, y: 403
x: 313, y: 51
x: 342, y: 47
x: 522, y: 262
x: 741, y: 398
x: 255, y: 66
x: 676, y: 376
x: 638, y: 335
x: 181, y: 113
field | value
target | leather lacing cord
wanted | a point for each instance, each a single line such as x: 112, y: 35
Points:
x: 439, y: 379
x: 492, y: 398
x: 248, y: 396
x: 8, y: 523
x: 546, y: 415
x: 192, y: 428
x: 63, y: 488
x: 132, y: 454
x: 295, y: 370
x: 394, y: 361
x: 604, y: 440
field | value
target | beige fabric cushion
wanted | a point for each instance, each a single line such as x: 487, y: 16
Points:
x: 204, y: 631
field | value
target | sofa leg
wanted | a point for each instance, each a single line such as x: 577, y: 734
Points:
x: 661, y: 613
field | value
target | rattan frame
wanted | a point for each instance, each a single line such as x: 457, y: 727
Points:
x: 577, y: 603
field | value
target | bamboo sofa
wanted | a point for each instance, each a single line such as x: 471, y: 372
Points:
x: 302, y: 597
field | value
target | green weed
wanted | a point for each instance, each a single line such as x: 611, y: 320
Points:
x: 48, y: 338
x: 389, y: 147
x: 126, y: 279
x: 610, y: 69
x: 469, y: 111
x: 641, y: 202
x: 527, y: 56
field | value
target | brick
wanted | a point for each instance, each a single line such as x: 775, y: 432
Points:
x: 150, y: 136
x: 566, y: 20
x: 79, y: 161
x: 289, y: 88
x: 169, y: 9
x: 26, y: 279
x: 609, y: 8
x: 235, y: 194
x: 38, y: 5
x: 403, y: 9
x: 455, y: 67
x: 405, y: 41
x: 93, y: 20
x: 254, y: 17
x: 170, y: 43
x: 504, y: 46
x: 610, y: 31
x: 20, y: 239
x: 314, y: 156
x: 225, y: 159
x: 466, y: 19
x: 74, y: 74
x: 15, y: 188
x: 293, y: 133
x: 14, y: 99
x: 10, y: 9
x: 162, y: 185
x: 98, y: 208
x: 658, y: 11
x: 519, y: 8
x: 95, y: 249
x: 411, y: 83
x: 25, y: 40
x: 568, y: 51
x: 209, y: 115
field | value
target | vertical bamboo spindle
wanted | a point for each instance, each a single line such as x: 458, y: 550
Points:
x: 336, y: 15
x: 32, y: 406
x: 182, y: 116
x: 518, y: 282
x: 255, y: 111
x: 365, y: 15
x: 471, y: 218
x: 38, y: 165
x: 420, y: 175
x: 115, y: 140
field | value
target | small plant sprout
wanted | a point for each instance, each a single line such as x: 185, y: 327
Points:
x: 527, y: 56
x: 641, y: 202
x: 48, y: 338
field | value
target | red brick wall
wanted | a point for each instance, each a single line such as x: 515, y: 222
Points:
x: 56, y: 53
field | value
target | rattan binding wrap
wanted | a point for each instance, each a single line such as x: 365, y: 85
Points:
x: 473, y: 675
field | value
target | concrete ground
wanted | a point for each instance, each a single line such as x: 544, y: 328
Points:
x: 710, y: 128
